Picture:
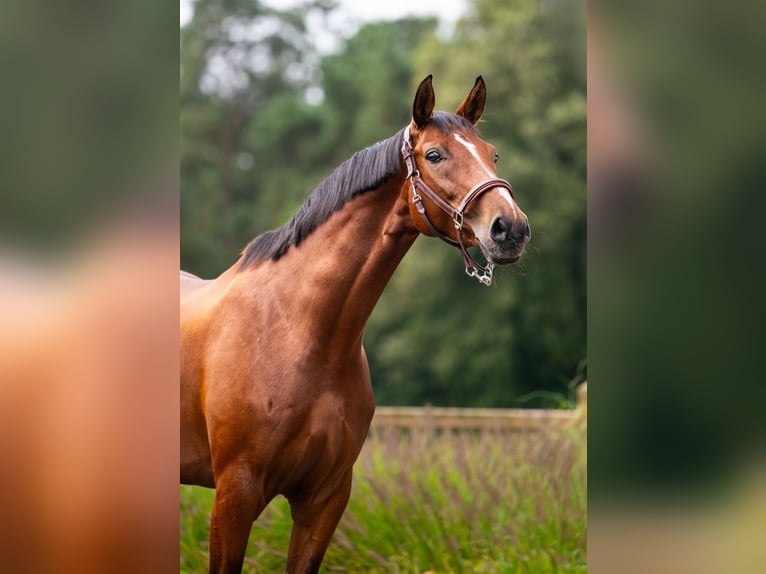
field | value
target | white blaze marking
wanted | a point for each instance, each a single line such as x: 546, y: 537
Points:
x: 506, y: 195
x: 472, y: 150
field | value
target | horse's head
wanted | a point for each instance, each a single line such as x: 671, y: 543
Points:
x: 453, y: 188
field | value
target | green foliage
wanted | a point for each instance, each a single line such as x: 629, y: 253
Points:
x: 254, y: 145
x: 87, y: 116
x: 473, y: 503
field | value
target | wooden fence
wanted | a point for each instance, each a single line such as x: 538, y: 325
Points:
x: 431, y: 418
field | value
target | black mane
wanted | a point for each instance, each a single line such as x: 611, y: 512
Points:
x: 365, y: 171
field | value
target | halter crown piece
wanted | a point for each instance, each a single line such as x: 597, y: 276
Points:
x: 483, y: 273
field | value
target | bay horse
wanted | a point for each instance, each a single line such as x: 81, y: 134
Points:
x: 275, y: 388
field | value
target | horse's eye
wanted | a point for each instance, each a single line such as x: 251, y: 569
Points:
x: 434, y: 156
x: 497, y: 157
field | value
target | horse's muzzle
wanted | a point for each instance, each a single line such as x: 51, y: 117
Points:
x: 507, y: 240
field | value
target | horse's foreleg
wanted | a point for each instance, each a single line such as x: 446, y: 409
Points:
x: 313, y: 526
x: 237, y: 505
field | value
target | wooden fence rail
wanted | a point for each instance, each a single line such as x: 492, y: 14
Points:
x: 447, y: 418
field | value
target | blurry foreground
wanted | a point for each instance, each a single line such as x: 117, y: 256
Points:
x: 88, y: 287
x: 89, y: 406
x: 676, y: 133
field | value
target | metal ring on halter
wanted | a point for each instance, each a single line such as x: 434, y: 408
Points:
x: 484, y: 278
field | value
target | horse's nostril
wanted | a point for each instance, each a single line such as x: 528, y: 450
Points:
x: 501, y: 229
x: 527, y: 230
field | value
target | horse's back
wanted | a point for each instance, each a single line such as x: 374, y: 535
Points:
x: 195, y: 295
x: 191, y: 282
x: 195, y: 450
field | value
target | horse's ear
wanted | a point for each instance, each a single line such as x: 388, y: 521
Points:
x: 473, y: 105
x: 423, y: 106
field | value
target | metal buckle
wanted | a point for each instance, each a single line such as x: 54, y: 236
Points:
x: 484, y: 278
x: 458, y: 219
x: 416, y: 198
x: 415, y: 173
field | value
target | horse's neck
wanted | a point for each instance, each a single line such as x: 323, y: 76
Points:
x: 336, y: 276
x: 369, y: 249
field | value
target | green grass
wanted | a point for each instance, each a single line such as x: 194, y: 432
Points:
x: 450, y: 503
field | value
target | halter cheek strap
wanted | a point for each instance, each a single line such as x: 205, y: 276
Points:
x: 483, y: 273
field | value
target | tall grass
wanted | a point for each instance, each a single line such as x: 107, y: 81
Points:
x: 478, y: 502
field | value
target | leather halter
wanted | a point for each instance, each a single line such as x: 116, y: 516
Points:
x: 472, y: 267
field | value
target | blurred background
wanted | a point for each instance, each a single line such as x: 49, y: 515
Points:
x: 89, y: 405
x: 275, y: 95
x: 676, y: 430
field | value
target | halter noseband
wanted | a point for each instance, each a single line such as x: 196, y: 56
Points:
x: 472, y: 267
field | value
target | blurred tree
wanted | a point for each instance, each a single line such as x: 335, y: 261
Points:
x: 367, y: 85
x: 238, y: 58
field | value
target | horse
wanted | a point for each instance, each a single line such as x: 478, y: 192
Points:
x: 276, y: 397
